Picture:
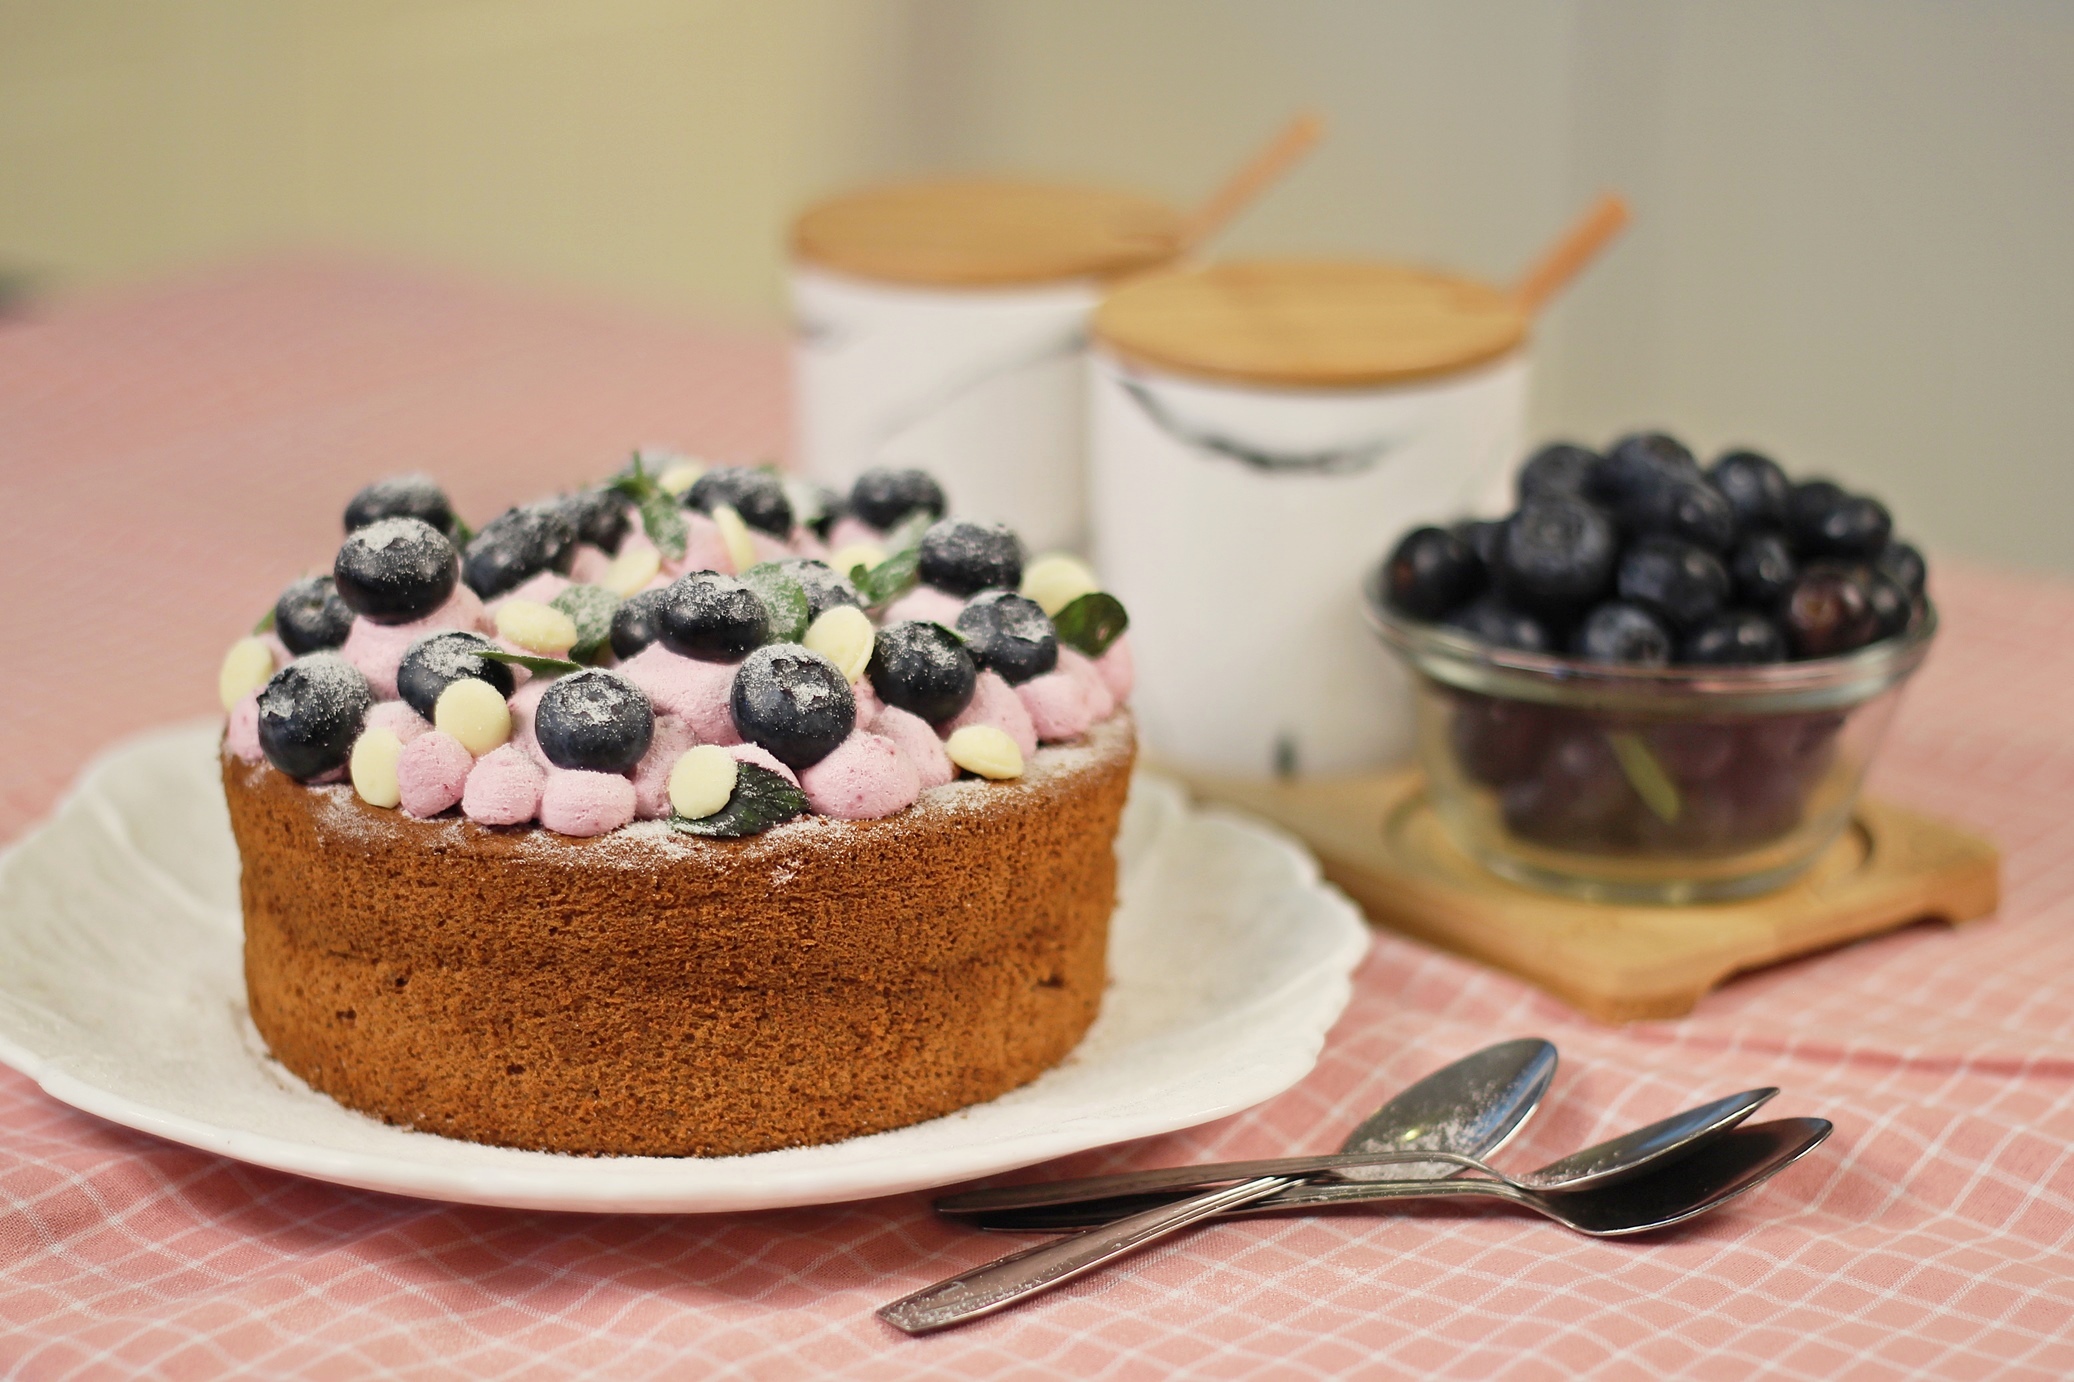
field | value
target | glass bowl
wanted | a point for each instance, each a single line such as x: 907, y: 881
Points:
x: 1646, y: 784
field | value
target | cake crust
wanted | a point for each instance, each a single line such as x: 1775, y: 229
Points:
x: 650, y: 993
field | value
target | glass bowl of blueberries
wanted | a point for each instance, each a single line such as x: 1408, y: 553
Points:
x: 1654, y: 682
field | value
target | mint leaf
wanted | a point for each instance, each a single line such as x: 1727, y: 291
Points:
x: 550, y: 666
x: 888, y: 581
x: 265, y: 624
x: 591, y: 607
x: 761, y: 800
x: 783, y: 596
x: 664, y: 521
x: 906, y: 535
x: 462, y: 534
x: 635, y: 482
x: 1092, y: 622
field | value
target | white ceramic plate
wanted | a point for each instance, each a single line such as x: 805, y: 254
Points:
x: 122, y: 993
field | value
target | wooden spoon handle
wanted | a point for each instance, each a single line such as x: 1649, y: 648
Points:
x: 1259, y: 172
x: 1567, y: 257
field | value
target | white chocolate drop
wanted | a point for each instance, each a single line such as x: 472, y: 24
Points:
x: 680, y: 477
x: 864, y: 554
x: 985, y: 750
x: 631, y: 571
x: 474, y: 712
x: 1057, y: 579
x: 537, y: 628
x: 702, y: 781
x: 735, y: 533
x: 374, y: 767
x: 246, y: 667
x: 845, y: 637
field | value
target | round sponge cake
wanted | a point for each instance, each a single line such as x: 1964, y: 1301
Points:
x: 647, y: 992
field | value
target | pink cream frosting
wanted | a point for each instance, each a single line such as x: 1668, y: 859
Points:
x: 503, y: 788
x: 927, y: 603
x: 398, y: 718
x: 1118, y: 670
x: 866, y: 778
x: 1058, y: 705
x: 1101, y: 701
x: 849, y: 530
x: 378, y: 649
x: 995, y: 703
x: 241, y: 734
x: 652, y: 774
x: 917, y: 743
x: 540, y: 589
x: 432, y: 773
x: 696, y: 692
x: 590, y: 566
x: 762, y: 758
x: 582, y: 803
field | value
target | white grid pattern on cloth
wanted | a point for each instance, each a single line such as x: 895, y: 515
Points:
x: 209, y: 430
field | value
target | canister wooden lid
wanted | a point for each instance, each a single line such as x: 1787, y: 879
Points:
x: 1310, y: 323
x: 974, y: 233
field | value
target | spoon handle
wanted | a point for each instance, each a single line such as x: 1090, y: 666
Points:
x: 1085, y: 1215
x: 1418, y: 1165
x: 1002, y: 1282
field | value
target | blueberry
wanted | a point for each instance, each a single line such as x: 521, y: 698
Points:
x: 1483, y: 536
x: 1734, y: 636
x: 1828, y: 613
x: 923, y: 668
x: 310, y: 713
x: 757, y: 495
x: 1891, y: 605
x: 516, y: 546
x: 310, y: 615
x: 1557, y: 554
x: 816, y: 506
x: 712, y: 617
x: 1695, y: 512
x: 1497, y: 740
x: 438, y: 660
x: 1559, y: 468
x: 1578, y: 798
x: 594, y: 720
x: 1009, y: 635
x: 395, y: 570
x: 1754, y: 486
x: 1616, y: 632
x: 966, y: 558
x: 601, y: 516
x: 638, y: 622
x: 1430, y: 572
x: 882, y: 497
x: 1826, y: 521
x: 1903, y: 565
x: 1678, y: 582
x: 794, y: 703
x: 1764, y: 569
x: 1491, y: 620
x: 825, y: 587
x: 401, y: 496
x: 1638, y: 462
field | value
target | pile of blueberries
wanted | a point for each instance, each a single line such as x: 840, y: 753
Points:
x: 405, y: 552
x: 1639, y: 556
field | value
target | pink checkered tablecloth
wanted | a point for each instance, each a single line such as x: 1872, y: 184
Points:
x: 168, y: 457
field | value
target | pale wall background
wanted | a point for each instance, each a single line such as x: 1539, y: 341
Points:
x: 1855, y: 233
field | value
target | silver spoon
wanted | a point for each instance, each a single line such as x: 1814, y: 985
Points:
x: 1065, y: 1206
x: 1470, y: 1107
x: 1732, y: 1164
x: 1710, y: 1176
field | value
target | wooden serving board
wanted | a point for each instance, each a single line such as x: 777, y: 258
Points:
x: 1379, y: 840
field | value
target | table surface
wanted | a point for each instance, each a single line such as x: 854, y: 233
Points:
x: 169, y: 457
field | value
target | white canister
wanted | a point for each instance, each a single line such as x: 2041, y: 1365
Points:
x: 944, y: 326
x: 1260, y: 434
